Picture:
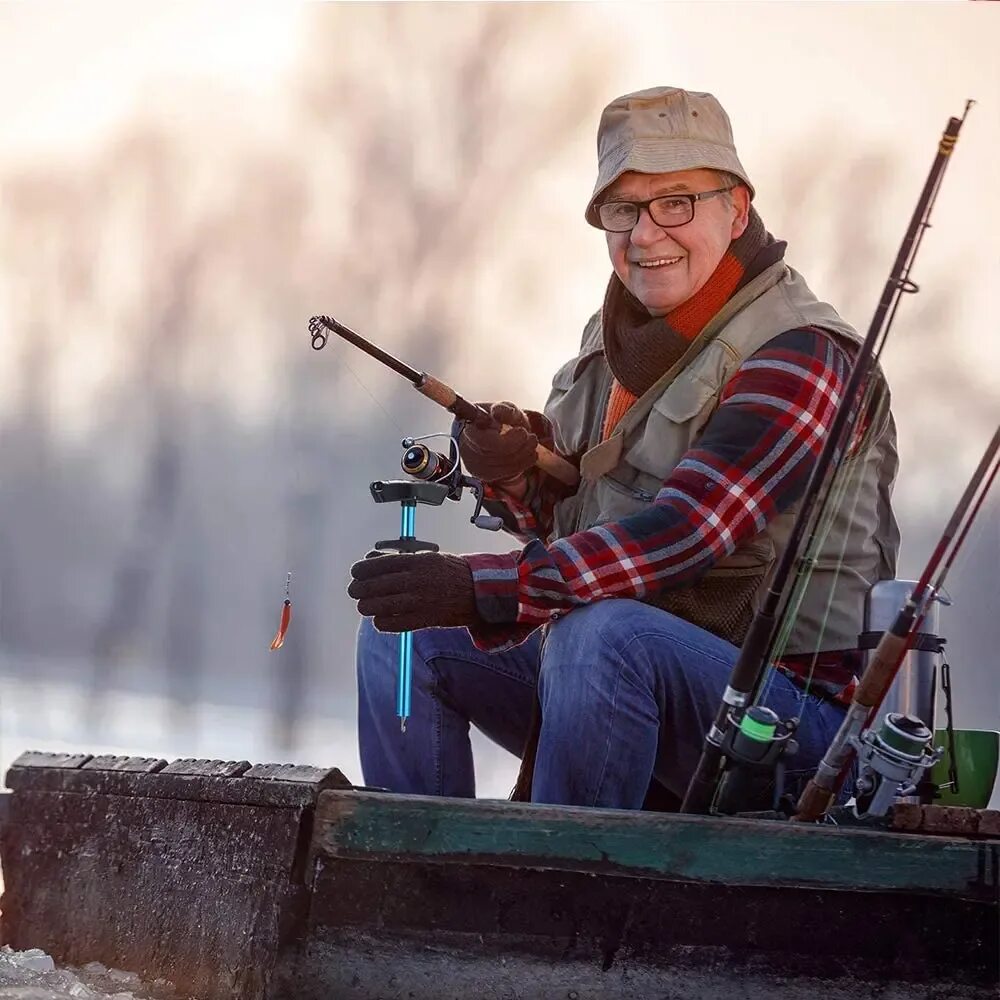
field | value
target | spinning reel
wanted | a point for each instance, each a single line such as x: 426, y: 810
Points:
x: 891, y: 761
x: 438, y: 478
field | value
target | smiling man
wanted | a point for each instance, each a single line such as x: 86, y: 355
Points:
x: 695, y: 409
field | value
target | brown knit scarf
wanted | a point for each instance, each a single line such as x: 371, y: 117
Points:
x: 640, y: 347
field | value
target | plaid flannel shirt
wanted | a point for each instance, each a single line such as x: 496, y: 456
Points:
x: 751, y: 463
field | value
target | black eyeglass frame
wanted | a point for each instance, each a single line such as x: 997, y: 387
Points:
x: 640, y: 205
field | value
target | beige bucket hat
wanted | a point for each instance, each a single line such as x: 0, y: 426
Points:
x: 661, y: 130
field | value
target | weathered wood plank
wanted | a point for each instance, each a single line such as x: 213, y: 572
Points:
x: 43, y: 758
x: 110, y: 762
x: 202, y: 894
x: 201, y: 767
x: 194, y: 872
x: 268, y: 789
x: 362, y: 967
x: 691, y: 848
x: 307, y: 773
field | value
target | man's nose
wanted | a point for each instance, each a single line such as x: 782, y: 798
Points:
x: 646, y: 232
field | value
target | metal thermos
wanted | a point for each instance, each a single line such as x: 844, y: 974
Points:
x: 914, y: 689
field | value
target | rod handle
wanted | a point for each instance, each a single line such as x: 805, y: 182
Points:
x: 813, y: 802
x: 436, y: 391
x: 556, y: 466
x: 546, y: 460
x: 881, y: 670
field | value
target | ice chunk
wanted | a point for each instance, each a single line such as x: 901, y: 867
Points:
x: 34, y: 959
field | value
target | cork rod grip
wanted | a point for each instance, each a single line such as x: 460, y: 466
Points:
x: 440, y: 393
x: 556, y: 466
x: 813, y: 802
x: 546, y: 460
x: 881, y: 670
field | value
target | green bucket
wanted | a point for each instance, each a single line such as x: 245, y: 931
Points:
x: 977, y: 752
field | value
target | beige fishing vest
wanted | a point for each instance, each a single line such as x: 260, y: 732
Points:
x: 622, y: 475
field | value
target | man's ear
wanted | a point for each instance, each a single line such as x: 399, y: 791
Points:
x: 741, y: 204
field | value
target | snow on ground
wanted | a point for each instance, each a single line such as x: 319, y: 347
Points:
x: 32, y: 975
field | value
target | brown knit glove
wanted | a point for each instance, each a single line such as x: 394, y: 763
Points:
x: 412, y: 590
x: 496, y: 457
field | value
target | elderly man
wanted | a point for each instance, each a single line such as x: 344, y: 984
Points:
x: 695, y: 409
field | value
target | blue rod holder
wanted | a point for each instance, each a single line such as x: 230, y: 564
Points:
x: 407, y: 529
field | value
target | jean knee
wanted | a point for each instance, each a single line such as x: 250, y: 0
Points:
x: 582, y: 646
x: 623, y: 638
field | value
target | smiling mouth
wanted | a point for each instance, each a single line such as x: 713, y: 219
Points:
x: 658, y: 262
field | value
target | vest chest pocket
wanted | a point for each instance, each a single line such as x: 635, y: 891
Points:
x: 615, y: 499
x: 675, y: 421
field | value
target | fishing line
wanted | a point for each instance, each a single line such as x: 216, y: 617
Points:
x: 871, y: 426
x: 372, y: 395
x: 285, y: 616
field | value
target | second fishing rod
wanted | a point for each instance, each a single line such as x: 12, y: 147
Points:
x: 757, y: 646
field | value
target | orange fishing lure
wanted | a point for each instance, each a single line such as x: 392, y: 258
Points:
x: 286, y: 616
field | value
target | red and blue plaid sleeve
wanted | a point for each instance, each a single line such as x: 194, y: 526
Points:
x: 751, y: 463
x: 530, y: 517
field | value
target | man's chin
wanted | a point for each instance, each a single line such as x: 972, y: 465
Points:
x: 659, y: 305
x: 659, y: 301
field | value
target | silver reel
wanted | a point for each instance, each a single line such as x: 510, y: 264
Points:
x: 891, y: 761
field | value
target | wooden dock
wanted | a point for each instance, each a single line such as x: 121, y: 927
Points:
x: 269, y: 882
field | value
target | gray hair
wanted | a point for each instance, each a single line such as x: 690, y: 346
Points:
x: 726, y: 179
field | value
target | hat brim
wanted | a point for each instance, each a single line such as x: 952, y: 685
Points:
x: 658, y: 156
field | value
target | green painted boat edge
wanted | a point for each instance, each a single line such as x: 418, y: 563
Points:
x: 730, y: 851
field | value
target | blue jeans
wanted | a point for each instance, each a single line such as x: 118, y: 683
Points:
x: 627, y: 693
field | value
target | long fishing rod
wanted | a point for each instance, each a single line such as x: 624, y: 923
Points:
x: 754, y: 653
x: 909, y: 755
x: 555, y: 465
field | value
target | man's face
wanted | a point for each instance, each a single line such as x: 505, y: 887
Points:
x: 661, y: 267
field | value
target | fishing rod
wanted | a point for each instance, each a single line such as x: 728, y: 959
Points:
x: 897, y: 754
x: 757, y: 644
x: 555, y: 465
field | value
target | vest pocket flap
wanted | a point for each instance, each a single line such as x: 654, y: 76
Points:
x: 602, y: 458
x: 685, y: 398
x: 675, y: 421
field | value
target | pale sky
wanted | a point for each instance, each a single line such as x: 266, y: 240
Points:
x: 69, y: 73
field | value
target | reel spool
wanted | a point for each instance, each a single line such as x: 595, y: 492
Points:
x: 421, y: 462
x: 891, y: 761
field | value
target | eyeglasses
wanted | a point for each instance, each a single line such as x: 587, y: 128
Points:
x: 668, y: 212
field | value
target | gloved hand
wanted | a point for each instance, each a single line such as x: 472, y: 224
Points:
x: 497, y: 457
x: 412, y: 590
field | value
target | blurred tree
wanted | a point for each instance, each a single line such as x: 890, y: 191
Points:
x: 217, y: 452
x: 832, y: 210
x: 420, y: 140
